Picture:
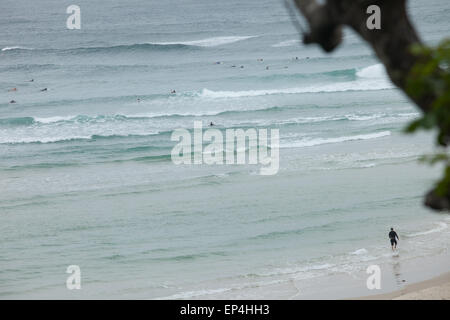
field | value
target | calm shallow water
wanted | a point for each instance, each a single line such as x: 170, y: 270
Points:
x: 85, y: 170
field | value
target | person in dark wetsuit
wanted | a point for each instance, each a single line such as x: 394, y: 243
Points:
x: 394, y: 237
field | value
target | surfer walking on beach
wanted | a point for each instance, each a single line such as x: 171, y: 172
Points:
x: 393, y: 237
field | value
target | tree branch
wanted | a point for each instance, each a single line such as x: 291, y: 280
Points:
x: 392, y: 44
x: 324, y: 30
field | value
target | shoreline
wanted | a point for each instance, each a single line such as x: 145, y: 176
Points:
x: 414, y: 278
x: 417, y: 278
x: 437, y: 288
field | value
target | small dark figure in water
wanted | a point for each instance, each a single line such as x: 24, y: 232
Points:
x: 393, y: 237
x: 45, y: 89
x: 138, y: 100
x: 173, y: 92
x: 211, y: 124
x: 12, y: 101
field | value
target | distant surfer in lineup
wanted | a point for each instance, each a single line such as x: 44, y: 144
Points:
x: 393, y: 237
x: 173, y: 92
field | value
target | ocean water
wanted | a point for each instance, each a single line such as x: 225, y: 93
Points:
x: 86, y: 176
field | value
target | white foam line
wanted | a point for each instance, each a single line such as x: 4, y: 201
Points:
x: 441, y: 226
x: 15, y: 48
x: 209, y: 42
x: 320, y: 141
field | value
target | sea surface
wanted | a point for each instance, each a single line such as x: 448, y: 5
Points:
x: 86, y: 176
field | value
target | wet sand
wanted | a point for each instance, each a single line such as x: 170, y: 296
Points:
x: 437, y: 288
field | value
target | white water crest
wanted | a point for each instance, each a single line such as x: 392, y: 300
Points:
x: 209, y: 42
x: 319, y: 141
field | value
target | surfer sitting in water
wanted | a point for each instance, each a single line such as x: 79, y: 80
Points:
x: 394, y: 237
x: 211, y: 124
x: 173, y: 92
x: 12, y: 101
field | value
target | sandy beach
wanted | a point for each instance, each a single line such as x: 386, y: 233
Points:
x: 437, y: 288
